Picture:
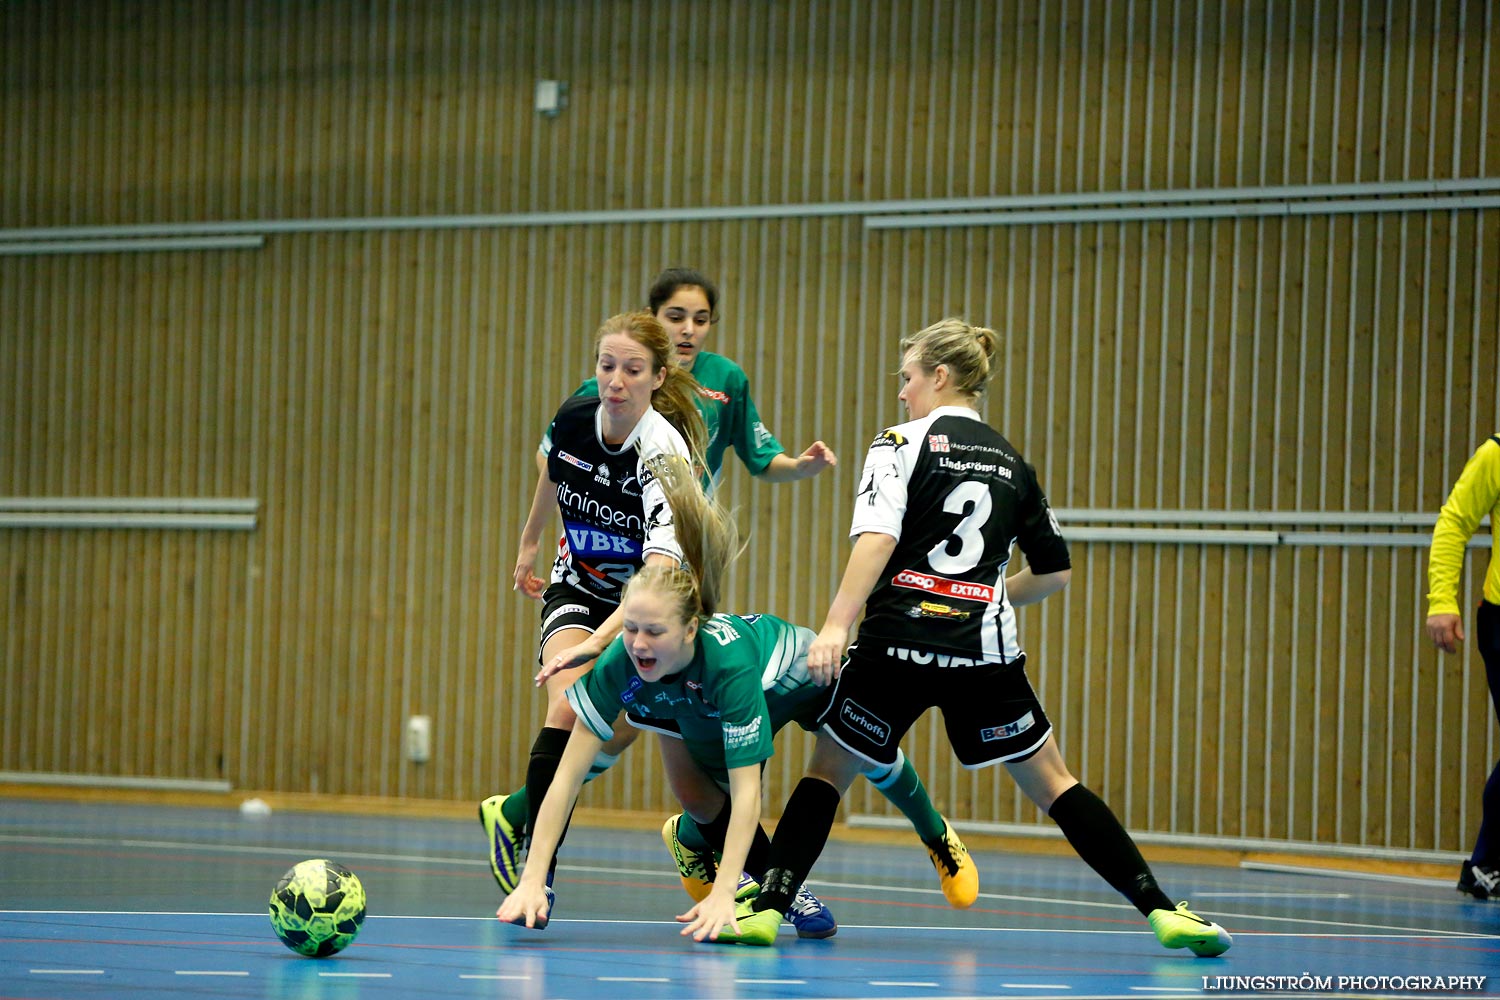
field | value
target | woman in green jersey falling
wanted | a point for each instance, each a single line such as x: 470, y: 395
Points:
x: 720, y: 686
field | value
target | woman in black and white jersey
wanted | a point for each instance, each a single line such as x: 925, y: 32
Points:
x: 615, y: 516
x: 941, y: 501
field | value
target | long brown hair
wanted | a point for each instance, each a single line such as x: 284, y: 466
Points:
x: 677, y: 396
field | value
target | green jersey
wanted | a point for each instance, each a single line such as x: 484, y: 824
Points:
x: 728, y: 412
x: 747, y: 678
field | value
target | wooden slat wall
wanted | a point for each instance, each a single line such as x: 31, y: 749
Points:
x: 381, y: 392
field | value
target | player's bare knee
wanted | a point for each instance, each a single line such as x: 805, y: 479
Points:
x: 559, y: 714
x: 834, y: 765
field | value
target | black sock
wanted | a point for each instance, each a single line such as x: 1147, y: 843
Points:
x: 799, y: 840
x: 1101, y: 841
x: 546, y: 752
x: 759, y: 857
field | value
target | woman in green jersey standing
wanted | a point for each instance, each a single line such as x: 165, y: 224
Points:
x: 686, y: 303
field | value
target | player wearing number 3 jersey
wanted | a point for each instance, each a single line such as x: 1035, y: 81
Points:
x: 954, y: 495
x: 941, y: 501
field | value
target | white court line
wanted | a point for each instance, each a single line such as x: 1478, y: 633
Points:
x: 208, y: 972
x: 1272, y: 866
x: 1273, y: 895
x: 475, y: 975
x: 66, y: 972
x: 1396, y: 933
x: 173, y: 845
x: 1167, y: 989
x: 421, y: 859
x: 257, y: 915
x: 355, y: 975
x: 1367, y: 937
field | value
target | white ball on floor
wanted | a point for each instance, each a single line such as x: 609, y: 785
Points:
x: 255, y: 807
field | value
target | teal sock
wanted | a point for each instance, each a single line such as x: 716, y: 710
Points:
x: 516, y: 808
x: 690, y: 836
x: 903, y: 787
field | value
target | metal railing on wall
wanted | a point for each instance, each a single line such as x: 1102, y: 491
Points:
x: 191, y: 513
x: 1123, y: 525
x: 36, y: 248
x: 1221, y: 210
x: 1027, y: 209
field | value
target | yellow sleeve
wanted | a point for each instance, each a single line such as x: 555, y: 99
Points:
x: 1473, y: 496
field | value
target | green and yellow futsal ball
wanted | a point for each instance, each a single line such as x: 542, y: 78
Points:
x: 317, y: 908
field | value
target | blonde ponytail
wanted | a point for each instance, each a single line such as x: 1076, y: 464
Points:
x: 709, y: 538
x: 968, y: 351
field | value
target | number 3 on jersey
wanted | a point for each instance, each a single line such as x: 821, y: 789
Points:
x: 972, y: 500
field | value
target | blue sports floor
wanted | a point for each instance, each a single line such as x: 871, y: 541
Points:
x: 128, y: 900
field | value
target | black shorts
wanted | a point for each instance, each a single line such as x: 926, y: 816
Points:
x: 568, y: 607
x: 989, y: 710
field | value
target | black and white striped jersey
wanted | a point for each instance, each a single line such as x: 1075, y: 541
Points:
x: 613, y: 510
x: 956, y: 496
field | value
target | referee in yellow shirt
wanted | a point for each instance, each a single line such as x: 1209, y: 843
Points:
x: 1476, y: 494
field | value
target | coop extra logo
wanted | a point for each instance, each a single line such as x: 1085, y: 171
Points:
x: 944, y: 587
